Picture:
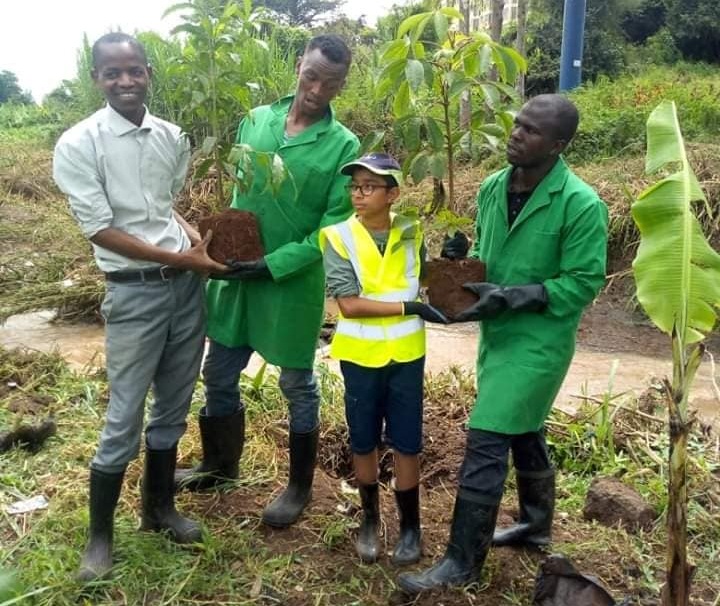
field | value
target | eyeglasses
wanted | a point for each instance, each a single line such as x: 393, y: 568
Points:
x: 366, y: 189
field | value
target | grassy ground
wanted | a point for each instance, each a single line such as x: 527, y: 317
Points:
x: 243, y: 562
x: 47, y: 265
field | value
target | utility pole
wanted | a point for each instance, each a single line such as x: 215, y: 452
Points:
x: 572, y: 44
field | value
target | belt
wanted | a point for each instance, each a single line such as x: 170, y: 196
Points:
x: 157, y: 274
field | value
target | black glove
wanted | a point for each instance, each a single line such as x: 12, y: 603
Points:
x: 532, y: 297
x: 245, y: 270
x: 456, y: 247
x: 494, y: 300
x: 490, y: 303
x: 425, y: 311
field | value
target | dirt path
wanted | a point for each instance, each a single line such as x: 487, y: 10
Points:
x: 609, y: 332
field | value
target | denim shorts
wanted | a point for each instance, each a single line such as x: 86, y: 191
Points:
x: 392, y: 394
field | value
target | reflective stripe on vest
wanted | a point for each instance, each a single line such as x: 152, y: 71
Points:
x: 360, y: 330
x: 391, y: 277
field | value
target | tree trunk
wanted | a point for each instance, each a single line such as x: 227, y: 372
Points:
x: 522, y: 11
x: 465, y: 99
x: 496, y: 19
x: 676, y: 591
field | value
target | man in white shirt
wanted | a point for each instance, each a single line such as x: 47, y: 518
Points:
x: 121, y: 169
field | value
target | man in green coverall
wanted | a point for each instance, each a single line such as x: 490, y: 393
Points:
x: 542, y: 233
x: 275, y: 306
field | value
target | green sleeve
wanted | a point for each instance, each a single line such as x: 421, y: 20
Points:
x: 582, y: 263
x: 294, y: 257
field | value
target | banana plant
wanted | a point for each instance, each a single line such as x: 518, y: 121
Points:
x: 677, y: 275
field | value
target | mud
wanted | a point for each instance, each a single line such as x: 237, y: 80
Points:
x: 610, y: 336
x: 235, y: 236
x: 445, y: 278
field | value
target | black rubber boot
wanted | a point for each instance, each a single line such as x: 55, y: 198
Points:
x: 536, y: 493
x: 470, y: 537
x: 408, y: 549
x: 288, y: 506
x: 158, y: 498
x: 367, y: 546
x: 104, y: 494
x: 222, y: 441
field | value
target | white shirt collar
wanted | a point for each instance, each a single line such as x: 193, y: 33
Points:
x: 120, y: 125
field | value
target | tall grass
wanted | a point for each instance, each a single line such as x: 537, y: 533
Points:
x: 613, y: 112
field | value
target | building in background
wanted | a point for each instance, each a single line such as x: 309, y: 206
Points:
x: 480, y: 12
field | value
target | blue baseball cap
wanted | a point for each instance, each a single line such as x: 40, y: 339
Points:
x: 378, y: 163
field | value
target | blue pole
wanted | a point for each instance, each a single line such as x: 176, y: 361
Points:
x: 572, y: 44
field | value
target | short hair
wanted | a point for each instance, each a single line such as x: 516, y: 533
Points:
x: 333, y: 47
x: 117, y: 38
x: 562, y: 112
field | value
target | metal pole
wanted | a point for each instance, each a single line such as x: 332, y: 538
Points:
x: 572, y: 44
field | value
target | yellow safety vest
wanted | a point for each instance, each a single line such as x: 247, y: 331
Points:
x: 393, y: 276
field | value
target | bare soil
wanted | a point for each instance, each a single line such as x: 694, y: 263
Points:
x: 445, y: 279
x: 235, y: 236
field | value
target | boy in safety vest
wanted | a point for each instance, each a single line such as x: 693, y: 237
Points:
x: 373, y: 263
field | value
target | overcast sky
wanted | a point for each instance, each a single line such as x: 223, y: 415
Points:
x: 39, y: 38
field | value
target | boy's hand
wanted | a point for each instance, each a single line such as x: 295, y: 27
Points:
x: 425, y: 311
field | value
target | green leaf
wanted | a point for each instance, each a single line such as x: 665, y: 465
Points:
x: 420, y: 28
x: 435, y: 134
x: 491, y: 95
x: 371, y: 142
x: 203, y: 168
x: 677, y: 272
x: 485, y: 55
x: 411, y: 133
x: 440, y: 21
x: 188, y: 28
x: 496, y: 130
x: 471, y: 64
x: 397, y: 49
x: 177, y: 7
x: 419, y: 167
x: 452, y: 12
x: 415, y: 74
x: 401, y: 103
x: 390, y: 78
x: 438, y: 165
x: 411, y: 22
x: 459, y: 85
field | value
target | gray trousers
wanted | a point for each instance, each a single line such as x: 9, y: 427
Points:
x: 154, y: 336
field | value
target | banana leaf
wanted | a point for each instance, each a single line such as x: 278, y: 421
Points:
x: 677, y: 272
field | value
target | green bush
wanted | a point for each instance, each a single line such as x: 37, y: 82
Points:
x: 613, y: 113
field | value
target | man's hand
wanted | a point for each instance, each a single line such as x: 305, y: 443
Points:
x: 490, y: 303
x: 425, y: 311
x: 494, y: 300
x: 197, y: 258
x: 456, y: 247
x: 246, y: 270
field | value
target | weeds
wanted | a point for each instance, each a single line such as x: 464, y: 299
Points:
x: 313, y: 563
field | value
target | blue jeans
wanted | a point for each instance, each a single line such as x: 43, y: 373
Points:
x: 221, y: 372
x: 485, y: 465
